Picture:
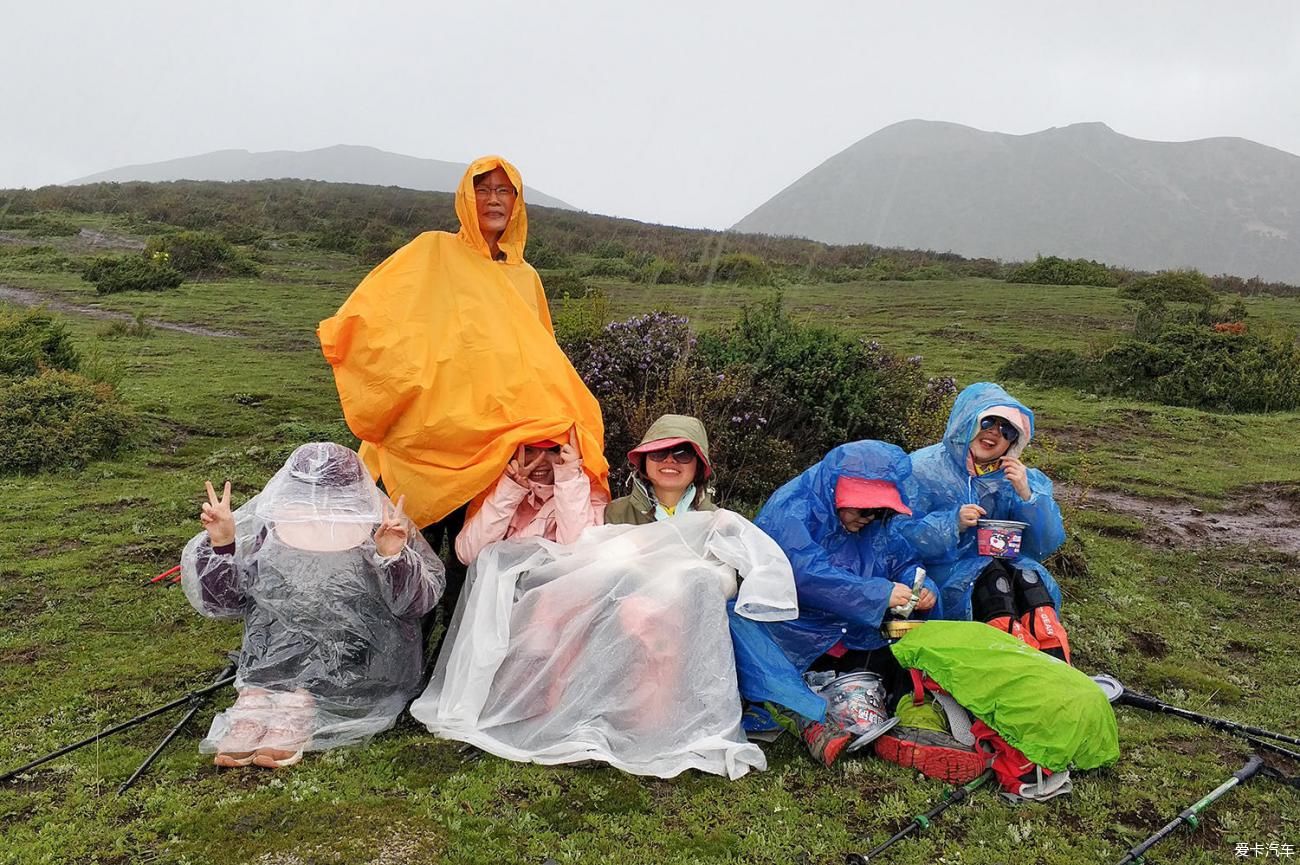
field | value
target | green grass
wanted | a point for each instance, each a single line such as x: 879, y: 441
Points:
x: 83, y: 644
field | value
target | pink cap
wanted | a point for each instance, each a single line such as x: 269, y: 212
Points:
x: 666, y: 444
x: 863, y: 493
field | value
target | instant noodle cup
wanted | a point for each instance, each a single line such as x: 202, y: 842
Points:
x: 999, y: 538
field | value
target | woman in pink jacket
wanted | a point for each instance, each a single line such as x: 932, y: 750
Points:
x: 543, y: 493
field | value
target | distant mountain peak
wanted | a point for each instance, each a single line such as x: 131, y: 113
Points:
x: 1081, y: 190
x: 338, y: 163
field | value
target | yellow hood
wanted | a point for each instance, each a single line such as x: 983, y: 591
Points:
x: 515, y: 237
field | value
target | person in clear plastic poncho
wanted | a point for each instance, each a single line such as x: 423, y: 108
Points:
x: 612, y: 648
x: 331, y: 580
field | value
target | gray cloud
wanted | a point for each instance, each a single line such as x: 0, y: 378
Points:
x: 685, y: 113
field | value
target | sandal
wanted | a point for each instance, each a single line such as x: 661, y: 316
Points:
x: 289, y: 731
x: 247, y: 727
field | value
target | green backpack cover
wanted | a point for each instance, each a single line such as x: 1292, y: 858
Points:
x: 1053, y: 713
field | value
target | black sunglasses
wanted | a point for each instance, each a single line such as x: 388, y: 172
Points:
x: 681, y: 454
x: 1006, y: 427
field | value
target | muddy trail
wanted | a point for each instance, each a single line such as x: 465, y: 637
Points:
x: 27, y: 297
x: 1262, y: 515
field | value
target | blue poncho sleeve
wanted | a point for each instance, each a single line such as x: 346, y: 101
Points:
x: 1046, y: 530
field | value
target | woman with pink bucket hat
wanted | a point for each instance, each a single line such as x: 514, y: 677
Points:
x: 670, y: 467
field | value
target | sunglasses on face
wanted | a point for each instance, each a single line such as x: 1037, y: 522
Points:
x: 1006, y: 427
x: 682, y: 454
x: 871, y: 514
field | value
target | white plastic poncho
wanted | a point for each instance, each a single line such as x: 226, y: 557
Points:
x: 615, y: 648
x: 332, y: 646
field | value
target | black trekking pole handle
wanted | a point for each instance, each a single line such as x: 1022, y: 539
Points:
x: 1189, y: 815
x: 953, y: 796
x: 196, y: 702
x: 1151, y: 704
x: 180, y: 701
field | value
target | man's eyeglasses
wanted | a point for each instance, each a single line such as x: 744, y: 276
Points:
x: 486, y: 192
x: 1006, y: 427
x: 683, y: 454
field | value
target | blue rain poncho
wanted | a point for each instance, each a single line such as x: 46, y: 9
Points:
x: 943, y: 481
x: 844, y: 580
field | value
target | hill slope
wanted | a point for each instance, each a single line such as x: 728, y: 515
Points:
x: 1223, y: 205
x: 343, y: 163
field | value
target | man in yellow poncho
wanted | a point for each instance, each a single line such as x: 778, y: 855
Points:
x: 446, y: 361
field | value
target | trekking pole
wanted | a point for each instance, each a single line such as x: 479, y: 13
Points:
x: 951, y: 797
x: 196, y: 702
x: 180, y: 701
x: 1151, y: 704
x: 1189, y: 816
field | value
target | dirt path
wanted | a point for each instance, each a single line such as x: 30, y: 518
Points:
x: 27, y: 297
x: 1266, y: 515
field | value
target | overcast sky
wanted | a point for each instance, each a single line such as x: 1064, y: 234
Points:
x: 689, y: 113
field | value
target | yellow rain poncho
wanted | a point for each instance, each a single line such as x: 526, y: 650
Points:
x: 445, y: 362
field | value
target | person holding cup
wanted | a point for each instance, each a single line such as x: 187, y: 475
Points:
x: 986, y: 521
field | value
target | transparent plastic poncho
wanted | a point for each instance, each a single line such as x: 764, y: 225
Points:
x: 614, y: 648
x: 332, y: 648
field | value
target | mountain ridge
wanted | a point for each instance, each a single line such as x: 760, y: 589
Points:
x: 1223, y: 204
x: 339, y: 163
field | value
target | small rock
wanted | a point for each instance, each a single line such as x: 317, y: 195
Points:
x: 1196, y: 512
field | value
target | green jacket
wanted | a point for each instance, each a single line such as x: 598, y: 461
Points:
x: 638, y: 508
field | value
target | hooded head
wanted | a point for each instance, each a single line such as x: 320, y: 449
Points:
x: 670, y: 431
x: 515, y: 234
x: 321, y: 482
x: 864, y: 471
x: 978, y: 401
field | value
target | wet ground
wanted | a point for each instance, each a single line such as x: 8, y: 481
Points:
x: 1266, y: 515
x: 25, y: 297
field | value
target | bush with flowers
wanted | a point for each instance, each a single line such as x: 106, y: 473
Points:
x: 773, y: 393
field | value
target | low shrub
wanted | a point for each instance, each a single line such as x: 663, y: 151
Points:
x: 774, y: 394
x: 35, y: 259
x: 564, y: 283
x: 33, y: 341
x: 58, y: 419
x: 544, y: 257
x: 616, y: 268
x: 742, y: 268
x: 1186, y: 365
x: 41, y: 224
x: 1188, y: 286
x: 111, y: 274
x: 1051, y: 270
x: 200, y: 253
x: 138, y: 327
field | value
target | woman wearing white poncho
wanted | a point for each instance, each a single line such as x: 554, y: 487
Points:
x: 331, y: 581
x: 615, y: 648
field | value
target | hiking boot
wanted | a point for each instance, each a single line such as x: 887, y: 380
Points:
x: 1048, y: 631
x: 825, y: 743
x: 933, y: 754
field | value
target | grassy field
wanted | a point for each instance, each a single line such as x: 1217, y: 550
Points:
x: 83, y: 644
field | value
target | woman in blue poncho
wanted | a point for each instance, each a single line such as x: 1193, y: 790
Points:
x: 975, y: 473
x: 835, y: 522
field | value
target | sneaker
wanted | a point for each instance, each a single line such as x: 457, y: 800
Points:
x: 247, y: 727
x: 289, y: 731
x: 825, y: 743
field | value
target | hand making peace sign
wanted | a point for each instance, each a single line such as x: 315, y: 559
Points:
x: 392, y: 533
x: 216, y: 516
x: 569, y: 453
x: 518, y: 471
